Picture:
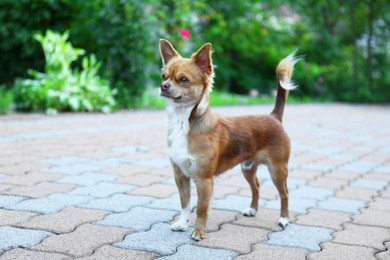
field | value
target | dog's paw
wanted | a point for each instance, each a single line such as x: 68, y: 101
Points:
x: 179, y: 226
x: 198, y: 235
x: 283, y: 222
x: 249, y: 212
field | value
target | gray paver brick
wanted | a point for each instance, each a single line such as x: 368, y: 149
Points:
x: 311, y: 193
x: 299, y: 236
x: 270, y: 252
x: 64, y: 221
x: 234, y: 203
x: 373, y: 218
x: 191, y: 252
x: 370, y: 184
x: 64, y: 160
x: 110, y: 252
x: 343, y: 205
x: 236, y: 238
x: 384, y: 255
x: 11, y: 237
x: 23, y: 254
x: 40, y: 190
x: 75, y: 169
x: 50, y: 204
x: 335, y: 251
x: 299, y: 205
x: 83, y: 241
x: 117, y: 203
x: 138, y: 218
x: 9, y: 217
x: 102, y: 190
x: 8, y: 201
x: 160, y: 239
x: 87, y: 179
x: 362, y: 236
x: 324, y: 218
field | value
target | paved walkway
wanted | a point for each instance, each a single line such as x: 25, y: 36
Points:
x: 95, y: 186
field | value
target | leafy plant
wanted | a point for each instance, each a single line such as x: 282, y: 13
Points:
x: 5, y: 100
x: 61, y: 88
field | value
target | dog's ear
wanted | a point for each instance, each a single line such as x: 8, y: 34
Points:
x: 167, y: 51
x: 203, y: 59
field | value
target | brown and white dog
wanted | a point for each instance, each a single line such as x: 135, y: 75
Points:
x: 203, y: 145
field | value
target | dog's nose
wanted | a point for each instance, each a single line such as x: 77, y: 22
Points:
x: 165, y: 86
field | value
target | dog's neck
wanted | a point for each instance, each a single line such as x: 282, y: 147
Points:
x: 182, y: 117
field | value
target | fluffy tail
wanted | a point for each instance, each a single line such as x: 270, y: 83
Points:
x: 284, y: 71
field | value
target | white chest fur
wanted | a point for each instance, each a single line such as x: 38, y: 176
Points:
x: 178, y: 128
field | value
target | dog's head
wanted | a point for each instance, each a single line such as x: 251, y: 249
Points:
x: 185, y: 81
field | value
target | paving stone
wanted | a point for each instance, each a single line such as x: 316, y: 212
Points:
x: 215, y: 219
x: 360, y: 167
x: 339, y: 251
x: 386, y: 194
x: 385, y: 254
x: 369, y: 184
x: 311, y: 193
x: 5, y: 187
x: 270, y: 252
x: 155, y: 190
x: 304, y: 174
x: 266, y: 193
x: 40, y: 190
x: 117, y: 203
x: 373, y: 218
x: 362, y: 236
x: 142, y: 179
x: 126, y: 170
x: 299, y: 236
x: 323, y: 218
x: 67, y: 220
x: 9, y: 218
x: 83, y: 241
x: 51, y: 204
x: 75, y: 169
x: 191, y: 252
x: 11, y: 237
x: 342, y: 175
x: 221, y: 191
x: 298, y: 205
x: 356, y: 193
x: 380, y: 204
x: 22, y: 254
x: 130, y: 149
x: 138, y: 218
x: 8, y: 201
x: 153, y: 163
x: 64, y: 160
x: 161, y: 240
x: 171, y: 203
x: 110, y: 252
x: 234, y: 203
x: 87, y: 179
x: 30, y: 179
x: 343, y: 205
x: 102, y: 189
x: 265, y: 218
x: 325, y: 182
x: 317, y: 167
x: 235, y: 238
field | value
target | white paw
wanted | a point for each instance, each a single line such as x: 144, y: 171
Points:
x: 179, y: 226
x: 249, y: 212
x: 283, y: 222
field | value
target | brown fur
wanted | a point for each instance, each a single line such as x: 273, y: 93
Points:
x: 217, y: 143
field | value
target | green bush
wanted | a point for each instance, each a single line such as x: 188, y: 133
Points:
x: 6, y: 98
x: 61, y: 88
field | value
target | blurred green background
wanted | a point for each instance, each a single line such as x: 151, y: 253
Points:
x: 345, y: 43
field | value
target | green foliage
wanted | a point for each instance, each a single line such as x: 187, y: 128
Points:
x: 61, y: 88
x: 345, y: 42
x: 6, y: 98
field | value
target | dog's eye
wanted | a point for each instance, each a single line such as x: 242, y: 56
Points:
x: 184, y: 80
x: 163, y: 76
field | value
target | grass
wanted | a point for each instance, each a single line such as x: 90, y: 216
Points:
x: 152, y: 100
x: 6, y: 98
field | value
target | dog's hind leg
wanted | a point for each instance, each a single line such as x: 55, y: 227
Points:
x: 183, y: 184
x: 249, y: 169
x: 279, y: 177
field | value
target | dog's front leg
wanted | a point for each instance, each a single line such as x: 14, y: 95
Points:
x: 204, y: 188
x: 184, y: 185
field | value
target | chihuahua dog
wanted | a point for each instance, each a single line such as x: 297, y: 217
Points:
x: 202, y: 145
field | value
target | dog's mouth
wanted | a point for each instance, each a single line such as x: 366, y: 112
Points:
x: 170, y: 97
